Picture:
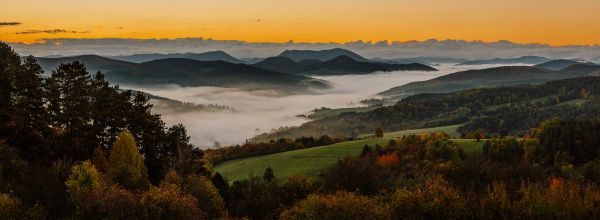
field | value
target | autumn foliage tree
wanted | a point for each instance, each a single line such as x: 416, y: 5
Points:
x: 84, y: 179
x: 340, y: 205
x: 127, y: 166
x: 378, y: 132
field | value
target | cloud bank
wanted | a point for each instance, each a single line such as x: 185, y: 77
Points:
x: 52, y: 31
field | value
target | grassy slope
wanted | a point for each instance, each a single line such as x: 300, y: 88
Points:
x: 307, y: 162
x: 311, y: 161
x: 450, y: 130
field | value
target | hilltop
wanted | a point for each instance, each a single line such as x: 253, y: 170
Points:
x: 561, y: 64
x: 491, y: 77
x: 321, y: 55
x: 337, y: 66
x: 206, y: 56
x: 505, y: 61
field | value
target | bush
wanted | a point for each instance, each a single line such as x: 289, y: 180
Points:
x: 341, y: 205
x: 435, y: 200
x: 10, y: 207
x: 168, y: 202
x: 504, y: 149
x: 206, y: 194
x: 351, y: 174
x: 110, y: 203
x: 442, y: 149
x: 83, y: 180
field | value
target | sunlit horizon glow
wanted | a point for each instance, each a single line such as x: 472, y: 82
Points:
x: 552, y: 22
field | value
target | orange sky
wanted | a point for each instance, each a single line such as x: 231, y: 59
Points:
x: 556, y: 22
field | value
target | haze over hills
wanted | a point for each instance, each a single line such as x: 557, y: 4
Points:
x: 222, y: 73
x: 186, y: 72
x: 515, y: 108
x: 491, y: 77
x: 340, y: 65
x: 518, y: 60
x: 582, y: 69
x: 321, y: 55
x: 557, y: 64
x: 206, y: 56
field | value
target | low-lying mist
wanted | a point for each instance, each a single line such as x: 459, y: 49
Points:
x: 261, y: 111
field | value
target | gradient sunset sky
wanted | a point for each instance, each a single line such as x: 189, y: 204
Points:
x: 555, y: 22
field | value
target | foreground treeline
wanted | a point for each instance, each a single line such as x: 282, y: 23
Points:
x: 553, y: 173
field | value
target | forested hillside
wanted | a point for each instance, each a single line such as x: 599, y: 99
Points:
x: 502, y: 110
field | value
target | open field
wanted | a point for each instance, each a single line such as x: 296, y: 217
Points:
x: 450, y: 130
x: 470, y: 146
x: 311, y: 161
x: 307, y: 162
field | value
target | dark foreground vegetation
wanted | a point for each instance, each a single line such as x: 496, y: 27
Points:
x: 74, y: 147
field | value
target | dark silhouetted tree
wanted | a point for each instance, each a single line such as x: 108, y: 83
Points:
x: 268, y: 175
x: 378, y: 132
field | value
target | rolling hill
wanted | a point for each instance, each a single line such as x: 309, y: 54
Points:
x: 533, y: 60
x: 122, y: 72
x: 557, y: 65
x: 221, y: 73
x: 491, y: 77
x: 207, y: 56
x: 337, y: 66
x: 280, y: 64
x: 321, y: 55
x: 311, y: 161
x: 186, y: 72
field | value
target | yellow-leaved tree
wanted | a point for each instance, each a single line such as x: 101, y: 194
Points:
x: 127, y: 166
x: 84, y: 179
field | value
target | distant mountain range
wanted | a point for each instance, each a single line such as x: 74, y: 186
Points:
x: 494, y: 77
x: 207, y: 56
x: 186, y: 72
x: 321, y: 55
x: 337, y: 66
x: 533, y: 60
x: 422, y: 60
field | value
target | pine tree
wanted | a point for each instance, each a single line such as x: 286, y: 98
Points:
x: 10, y: 65
x: 69, y: 98
x: 366, y: 151
x: 268, y: 175
x: 30, y: 117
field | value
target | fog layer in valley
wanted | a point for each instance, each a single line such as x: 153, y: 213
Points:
x: 259, y: 112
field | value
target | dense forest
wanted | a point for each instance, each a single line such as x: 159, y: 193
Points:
x: 74, y: 147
